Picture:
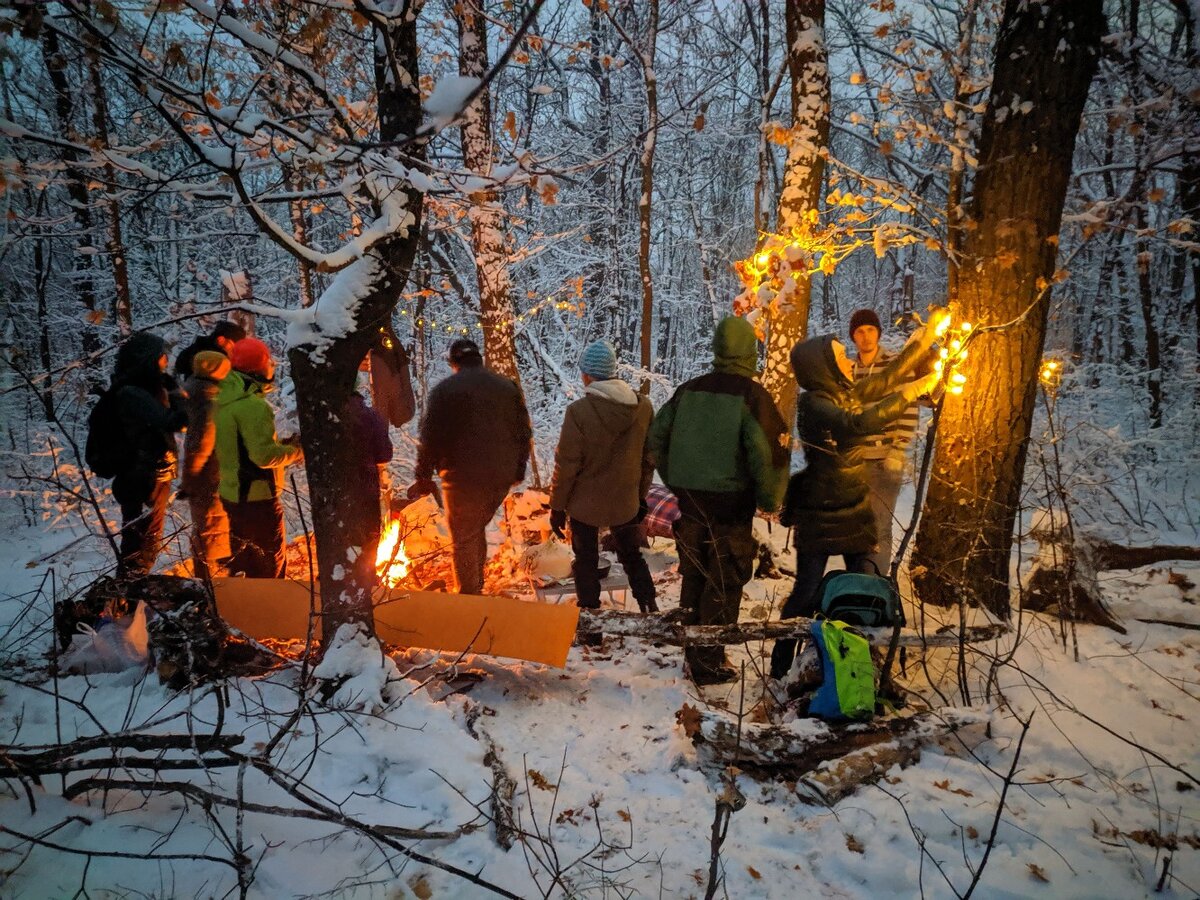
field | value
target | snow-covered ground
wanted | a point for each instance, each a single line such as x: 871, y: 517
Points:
x: 615, y: 799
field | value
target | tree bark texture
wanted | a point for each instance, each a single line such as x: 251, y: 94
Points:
x: 83, y: 274
x: 1046, y: 55
x: 345, y: 514
x: 485, y: 212
x: 800, y: 197
x: 645, y: 204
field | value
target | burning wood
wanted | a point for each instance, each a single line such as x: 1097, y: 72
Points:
x: 391, y: 561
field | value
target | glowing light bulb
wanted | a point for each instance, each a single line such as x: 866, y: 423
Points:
x: 958, y: 378
x: 964, y: 327
x: 943, y: 353
x: 955, y: 388
x: 762, y: 259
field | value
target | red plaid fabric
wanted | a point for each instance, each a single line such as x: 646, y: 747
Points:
x: 664, y: 510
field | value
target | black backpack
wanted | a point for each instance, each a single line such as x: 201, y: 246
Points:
x: 106, y: 445
x: 869, y: 601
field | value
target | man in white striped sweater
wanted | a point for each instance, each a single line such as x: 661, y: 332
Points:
x: 884, y: 453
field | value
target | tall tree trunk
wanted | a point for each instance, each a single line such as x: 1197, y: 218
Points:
x: 1046, y: 55
x: 115, y: 247
x: 645, y: 200
x: 801, y: 194
x: 83, y: 269
x: 485, y: 213
x: 345, y: 513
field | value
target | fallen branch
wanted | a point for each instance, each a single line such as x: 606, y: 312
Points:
x: 666, y: 629
x: 199, y: 793
x: 32, y: 761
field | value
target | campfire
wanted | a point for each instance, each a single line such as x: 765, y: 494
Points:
x: 391, y: 561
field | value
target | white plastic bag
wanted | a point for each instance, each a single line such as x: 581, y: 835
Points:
x: 549, y: 561
x: 115, y: 646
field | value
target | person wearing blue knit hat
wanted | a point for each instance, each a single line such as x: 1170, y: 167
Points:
x: 601, y: 474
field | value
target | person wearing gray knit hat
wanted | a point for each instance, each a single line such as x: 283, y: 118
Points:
x: 599, y: 360
x: 601, y: 475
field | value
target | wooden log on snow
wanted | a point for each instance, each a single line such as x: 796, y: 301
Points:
x: 665, y: 628
x: 864, y: 750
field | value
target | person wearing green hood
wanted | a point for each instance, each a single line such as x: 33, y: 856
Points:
x: 721, y: 446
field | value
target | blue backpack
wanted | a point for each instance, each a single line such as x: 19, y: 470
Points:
x: 868, y: 601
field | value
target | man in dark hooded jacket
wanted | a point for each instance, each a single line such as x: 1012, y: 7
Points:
x: 149, y: 406
x: 476, y: 435
x: 720, y: 445
x: 829, y: 502
x: 601, y: 474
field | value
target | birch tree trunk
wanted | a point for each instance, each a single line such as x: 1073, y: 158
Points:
x: 801, y: 195
x: 1046, y: 56
x: 485, y: 213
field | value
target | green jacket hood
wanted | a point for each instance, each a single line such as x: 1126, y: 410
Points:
x: 735, y: 347
x: 816, y: 367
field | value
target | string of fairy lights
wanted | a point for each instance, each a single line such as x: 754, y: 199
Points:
x: 429, y: 323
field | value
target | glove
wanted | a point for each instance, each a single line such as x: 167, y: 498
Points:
x: 920, y: 387
x: 643, y: 511
x: 420, y: 488
x: 558, y: 521
x: 939, y: 320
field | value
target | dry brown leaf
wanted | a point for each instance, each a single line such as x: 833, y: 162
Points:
x: 1038, y: 873
x: 420, y: 887
x: 854, y: 845
x: 539, y: 780
x: 689, y: 717
x: 973, y: 832
x: 754, y: 873
x: 623, y: 814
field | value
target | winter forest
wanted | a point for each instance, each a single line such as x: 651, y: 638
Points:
x: 426, y: 426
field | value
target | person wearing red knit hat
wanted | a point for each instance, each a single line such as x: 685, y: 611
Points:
x: 252, y: 463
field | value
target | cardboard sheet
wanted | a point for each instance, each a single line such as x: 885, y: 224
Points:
x: 496, y: 626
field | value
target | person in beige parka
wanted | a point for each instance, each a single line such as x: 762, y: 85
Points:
x: 601, y: 475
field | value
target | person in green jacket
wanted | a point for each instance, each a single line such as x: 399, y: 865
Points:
x: 721, y: 446
x: 252, y: 461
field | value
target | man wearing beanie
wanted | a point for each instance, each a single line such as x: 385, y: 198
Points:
x: 601, y: 474
x: 201, y: 469
x: 475, y: 435
x: 252, y: 463
x: 883, y: 452
x: 721, y: 446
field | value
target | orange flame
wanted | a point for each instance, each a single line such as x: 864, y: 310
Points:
x: 391, y: 562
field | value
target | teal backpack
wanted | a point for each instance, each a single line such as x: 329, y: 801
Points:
x: 848, y: 688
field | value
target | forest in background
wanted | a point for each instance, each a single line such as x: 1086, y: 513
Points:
x: 619, y: 162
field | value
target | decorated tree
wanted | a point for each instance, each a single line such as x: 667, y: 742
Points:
x: 1046, y: 56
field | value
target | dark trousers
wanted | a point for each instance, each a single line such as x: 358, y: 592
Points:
x: 810, y: 569
x: 256, y: 538
x: 716, y: 561
x: 469, y: 511
x: 585, y: 543
x: 141, y: 529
